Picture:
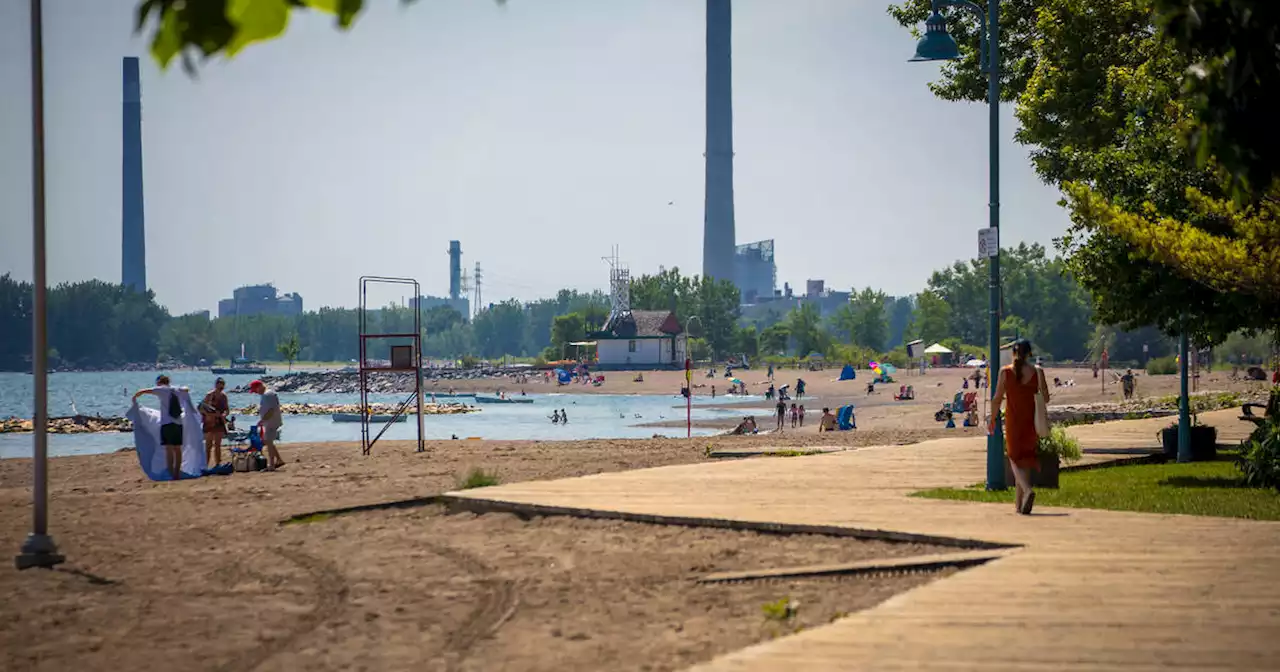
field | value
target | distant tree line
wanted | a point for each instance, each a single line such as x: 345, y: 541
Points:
x: 95, y: 324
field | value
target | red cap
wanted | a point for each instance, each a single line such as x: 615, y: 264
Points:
x: 256, y: 384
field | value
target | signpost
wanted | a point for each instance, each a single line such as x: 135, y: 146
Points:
x: 988, y: 242
x: 688, y: 397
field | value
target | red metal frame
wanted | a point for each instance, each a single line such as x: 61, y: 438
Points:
x: 367, y: 441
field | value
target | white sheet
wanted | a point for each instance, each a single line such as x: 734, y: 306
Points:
x: 146, y: 438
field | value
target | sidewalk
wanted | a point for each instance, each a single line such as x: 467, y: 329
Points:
x: 1085, y: 589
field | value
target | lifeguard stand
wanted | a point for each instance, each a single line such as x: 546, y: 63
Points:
x: 402, y: 358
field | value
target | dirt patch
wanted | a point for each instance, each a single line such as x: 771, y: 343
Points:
x: 418, y: 589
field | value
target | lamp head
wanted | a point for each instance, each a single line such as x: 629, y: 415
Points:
x: 937, y: 44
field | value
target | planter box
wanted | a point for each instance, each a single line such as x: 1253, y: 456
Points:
x: 1204, y: 443
x: 1045, y: 476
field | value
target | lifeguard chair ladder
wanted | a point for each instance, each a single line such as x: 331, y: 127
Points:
x: 403, y: 358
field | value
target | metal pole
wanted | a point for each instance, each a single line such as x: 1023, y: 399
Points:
x: 995, y: 441
x: 1184, y: 403
x: 39, y: 549
x: 689, y: 398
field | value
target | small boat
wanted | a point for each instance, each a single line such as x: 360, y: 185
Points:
x: 355, y: 417
x: 239, y: 365
x: 504, y: 400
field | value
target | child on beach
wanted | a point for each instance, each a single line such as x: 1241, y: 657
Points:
x: 782, y: 414
x: 802, y: 415
x: 795, y: 415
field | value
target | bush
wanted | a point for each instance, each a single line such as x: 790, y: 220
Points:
x: 1259, y: 458
x: 1162, y: 366
x: 478, y: 478
x: 1060, y: 443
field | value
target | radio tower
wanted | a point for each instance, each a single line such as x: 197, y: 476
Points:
x: 478, y: 278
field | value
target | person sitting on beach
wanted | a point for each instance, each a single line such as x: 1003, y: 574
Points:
x: 828, y: 421
x: 170, y: 423
x: 971, y: 420
x: 747, y: 426
x: 213, y: 418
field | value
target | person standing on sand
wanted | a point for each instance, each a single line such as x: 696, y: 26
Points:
x: 1018, y: 383
x: 782, y: 413
x: 213, y: 418
x: 771, y: 371
x: 795, y: 415
x: 802, y: 415
x: 270, y: 420
x: 170, y: 423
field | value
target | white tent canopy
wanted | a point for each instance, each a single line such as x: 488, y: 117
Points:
x: 937, y: 349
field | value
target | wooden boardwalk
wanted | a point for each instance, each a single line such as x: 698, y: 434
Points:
x: 1085, y: 590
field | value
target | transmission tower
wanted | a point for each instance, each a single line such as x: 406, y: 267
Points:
x: 478, y: 278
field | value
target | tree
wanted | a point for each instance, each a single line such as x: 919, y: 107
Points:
x: 804, y: 323
x: 746, y: 341
x: 931, y: 319
x: 775, y: 339
x: 500, y: 329
x: 441, y: 318
x: 566, y: 329
x: 899, y: 309
x: 1102, y: 110
x: 289, y: 349
x: 862, y: 320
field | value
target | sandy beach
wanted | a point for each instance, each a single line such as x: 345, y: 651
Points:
x: 202, y: 574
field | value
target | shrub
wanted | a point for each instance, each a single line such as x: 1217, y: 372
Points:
x: 1259, y: 458
x: 478, y: 478
x: 1060, y: 443
x: 1162, y: 366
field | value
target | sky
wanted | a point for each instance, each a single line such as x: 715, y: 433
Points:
x: 540, y: 134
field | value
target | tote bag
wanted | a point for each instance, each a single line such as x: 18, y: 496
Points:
x: 1042, y: 410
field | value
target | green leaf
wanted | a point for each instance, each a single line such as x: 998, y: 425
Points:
x: 256, y: 21
x: 168, y: 39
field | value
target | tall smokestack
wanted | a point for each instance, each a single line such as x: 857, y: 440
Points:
x: 133, y: 258
x: 718, y: 234
x: 455, y: 270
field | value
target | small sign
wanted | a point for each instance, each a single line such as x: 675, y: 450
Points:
x: 1144, y: 348
x: 988, y: 242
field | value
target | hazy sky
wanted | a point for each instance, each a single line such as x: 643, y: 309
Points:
x: 539, y: 134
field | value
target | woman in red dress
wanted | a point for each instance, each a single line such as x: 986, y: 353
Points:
x: 1017, y: 385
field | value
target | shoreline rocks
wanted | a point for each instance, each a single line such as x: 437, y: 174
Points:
x: 383, y: 382
x: 85, y: 424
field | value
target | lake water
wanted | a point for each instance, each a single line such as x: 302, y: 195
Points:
x: 591, y: 416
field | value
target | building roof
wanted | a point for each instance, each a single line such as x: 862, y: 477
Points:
x: 641, y: 324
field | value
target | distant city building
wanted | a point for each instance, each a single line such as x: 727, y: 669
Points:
x: 754, y: 271
x: 203, y: 314
x: 783, y: 301
x: 260, y: 300
x: 461, y: 304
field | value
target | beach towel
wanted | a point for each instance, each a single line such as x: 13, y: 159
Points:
x: 844, y: 418
x: 146, y: 439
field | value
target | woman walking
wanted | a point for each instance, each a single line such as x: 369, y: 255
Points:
x: 1018, y: 384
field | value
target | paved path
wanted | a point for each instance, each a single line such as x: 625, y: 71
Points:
x: 1091, y: 590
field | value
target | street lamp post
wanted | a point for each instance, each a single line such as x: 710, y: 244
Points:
x: 937, y: 44
x: 38, y: 550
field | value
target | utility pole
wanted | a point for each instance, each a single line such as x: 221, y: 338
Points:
x: 39, y: 550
